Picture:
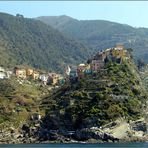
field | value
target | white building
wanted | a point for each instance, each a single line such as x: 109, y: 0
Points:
x: 43, y: 78
x: 2, y: 75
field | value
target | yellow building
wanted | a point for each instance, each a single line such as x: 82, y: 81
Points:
x: 35, y: 75
x: 118, y: 52
x: 29, y: 72
x: 20, y: 73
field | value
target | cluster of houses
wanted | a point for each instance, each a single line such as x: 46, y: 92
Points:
x: 47, y: 79
x: 116, y: 54
x: 26, y: 73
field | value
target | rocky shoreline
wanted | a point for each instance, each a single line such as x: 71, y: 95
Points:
x: 114, y: 132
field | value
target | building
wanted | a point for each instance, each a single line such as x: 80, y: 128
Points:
x: 61, y: 80
x: 20, y: 73
x: 53, y: 78
x: 35, y: 75
x: 73, y: 76
x: 96, y: 65
x: 83, y: 69
x: 87, y: 69
x: 80, y: 70
x: 29, y: 72
x: 9, y: 73
x: 119, y: 51
x: 2, y: 75
x: 44, y: 78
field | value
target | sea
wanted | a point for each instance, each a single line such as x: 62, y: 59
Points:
x: 82, y: 145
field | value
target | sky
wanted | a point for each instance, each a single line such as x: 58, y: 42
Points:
x: 133, y: 13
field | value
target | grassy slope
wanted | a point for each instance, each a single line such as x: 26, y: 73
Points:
x: 19, y: 101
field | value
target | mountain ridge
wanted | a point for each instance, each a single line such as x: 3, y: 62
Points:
x: 100, y: 34
x: 31, y: 42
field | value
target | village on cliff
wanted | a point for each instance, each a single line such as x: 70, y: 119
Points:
x: 72, y: 73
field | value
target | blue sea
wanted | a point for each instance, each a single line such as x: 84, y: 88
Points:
x: 101, y: 145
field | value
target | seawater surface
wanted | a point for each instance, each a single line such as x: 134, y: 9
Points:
x: 101, y: 145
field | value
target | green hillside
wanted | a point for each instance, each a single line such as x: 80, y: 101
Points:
x: 101, y: 34
x: 97, y: 99
x: 26, y: 41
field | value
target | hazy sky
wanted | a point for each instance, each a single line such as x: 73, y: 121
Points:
x: 134, y: 13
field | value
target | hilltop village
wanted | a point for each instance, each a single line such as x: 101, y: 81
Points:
x: 72, y: 73
x: 100, y: 100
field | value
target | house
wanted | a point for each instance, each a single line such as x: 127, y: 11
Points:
x: 61, y: 80
x: 119, y: 51
x: 87, y: 69
x: 2, y: 75
x: 96, y: 65
x: 80, y: 70
x: 29, y: 72
x: 73, y: 76
x: 35, y: 75
x: 43, y: 78
x: 20, y: 73
x: 53, y: 78
x: 9, y: 73
x: 83, y: 69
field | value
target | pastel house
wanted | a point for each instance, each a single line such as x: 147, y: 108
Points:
x: 96, y: 65
x: 80, y: 70
x: 43, y: 78
x: 29, y: 72
x: 35, y: 75
x: 53, y: 78
x: 20, y: 73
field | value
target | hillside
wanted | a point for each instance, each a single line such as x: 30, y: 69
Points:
x: 101, y: 98
x: 26, y: 41
x: 108, y: 104
x: 109, y: 100
x: 100, y: 34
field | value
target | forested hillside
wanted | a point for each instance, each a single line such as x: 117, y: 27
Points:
x: 101, y: 34
x: 26, y: 41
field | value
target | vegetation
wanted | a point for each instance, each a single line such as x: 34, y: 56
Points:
x: 100, y: 34
x: 30, y: 42
x: 99, y: 98
x: 18, y: 101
